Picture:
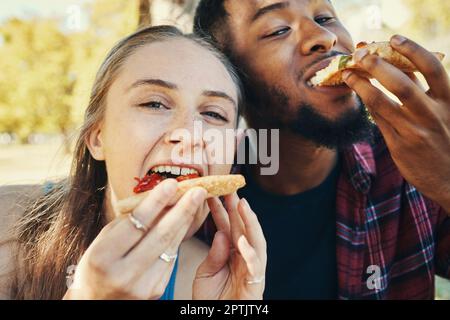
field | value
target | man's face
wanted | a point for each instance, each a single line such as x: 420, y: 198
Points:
x: 279, y: 45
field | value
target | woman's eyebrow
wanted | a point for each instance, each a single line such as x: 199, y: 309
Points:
x: 219, y: 94
x: 172, y: 86
x: 154, y: 82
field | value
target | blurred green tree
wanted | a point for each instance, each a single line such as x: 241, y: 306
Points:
x: 35, y: 85
x: 46, y: 73
x: 109, y: 20
x: 429, y: 24
x: 430, y: 18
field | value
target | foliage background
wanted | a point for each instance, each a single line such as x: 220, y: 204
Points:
x: 51, y: 49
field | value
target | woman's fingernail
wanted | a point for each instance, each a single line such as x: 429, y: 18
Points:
x: 360, y: 54
x: 199, y: 195
x: 245, y: 203
x: 170, y: 187
x: 398, y: 40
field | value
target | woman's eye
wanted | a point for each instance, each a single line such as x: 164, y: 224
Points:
x: 153, y: 105
x: 214, y: 115
x: 279, y: 32
x: 323, y: 20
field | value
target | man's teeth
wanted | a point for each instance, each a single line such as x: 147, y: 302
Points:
x: 309, y: 83
x: 175, y: 170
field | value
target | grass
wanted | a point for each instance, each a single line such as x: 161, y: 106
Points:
x: 29, y: 164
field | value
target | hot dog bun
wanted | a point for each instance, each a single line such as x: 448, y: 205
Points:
x: 215, y: 185
x: 332, y: 75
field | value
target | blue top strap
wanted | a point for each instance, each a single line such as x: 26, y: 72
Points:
x: 48, y: 187
x: 170, y: 289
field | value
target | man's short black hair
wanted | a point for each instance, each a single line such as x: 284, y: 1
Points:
x: 210, y: 20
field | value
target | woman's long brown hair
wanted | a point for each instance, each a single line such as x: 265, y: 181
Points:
x: 57, y: 228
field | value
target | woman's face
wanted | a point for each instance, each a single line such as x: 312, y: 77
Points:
x: 161, y: 88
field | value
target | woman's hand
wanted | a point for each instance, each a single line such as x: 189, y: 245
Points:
x: 236, y: 264
x: 124, y: 262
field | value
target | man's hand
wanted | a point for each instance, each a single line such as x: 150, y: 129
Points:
x: 417, y: 131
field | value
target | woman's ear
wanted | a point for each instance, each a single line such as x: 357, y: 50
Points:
x: 94, y: 142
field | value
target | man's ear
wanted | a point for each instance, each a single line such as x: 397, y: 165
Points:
x: 94, y: 142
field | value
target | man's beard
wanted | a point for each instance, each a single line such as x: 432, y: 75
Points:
x: 351, y: 127
x: 269, y: 106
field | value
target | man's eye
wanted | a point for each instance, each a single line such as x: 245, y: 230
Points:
x: 153, y: 105
x: 214, y: 115
x: 279, y: 32
x: 323, y: 20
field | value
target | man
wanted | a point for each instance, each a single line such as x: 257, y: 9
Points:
x: 355, y: 211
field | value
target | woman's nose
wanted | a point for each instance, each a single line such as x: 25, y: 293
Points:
x: 189, y: 134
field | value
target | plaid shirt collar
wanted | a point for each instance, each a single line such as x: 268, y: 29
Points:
x: 359, y: 164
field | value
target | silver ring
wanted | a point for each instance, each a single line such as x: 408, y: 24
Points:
x: 137, y: 223
x: 255, y: 281
x: 167, y: 257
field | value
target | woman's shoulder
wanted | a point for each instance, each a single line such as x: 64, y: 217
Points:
x: 13, y: 201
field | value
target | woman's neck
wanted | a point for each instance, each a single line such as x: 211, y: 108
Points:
x: 108, y: 210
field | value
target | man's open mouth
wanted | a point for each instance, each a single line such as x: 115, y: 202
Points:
x: 323, y: 69
x: 159, y: 173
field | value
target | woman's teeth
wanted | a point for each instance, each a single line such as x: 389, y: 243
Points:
x: 174, y: 170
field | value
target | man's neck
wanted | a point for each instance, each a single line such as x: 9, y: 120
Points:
x: 302, y: 166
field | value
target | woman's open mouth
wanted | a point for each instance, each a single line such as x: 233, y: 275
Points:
x: 159, y: 173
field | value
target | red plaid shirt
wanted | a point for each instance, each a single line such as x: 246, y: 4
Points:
x: 383, y: 221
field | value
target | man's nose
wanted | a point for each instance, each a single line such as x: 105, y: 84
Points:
x: 315, y: 38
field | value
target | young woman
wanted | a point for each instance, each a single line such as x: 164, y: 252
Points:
x: 151, y: 84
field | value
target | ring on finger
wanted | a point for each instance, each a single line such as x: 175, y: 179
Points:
x: 255, y: 280
x: 168, y: 257
x: 137, y: 223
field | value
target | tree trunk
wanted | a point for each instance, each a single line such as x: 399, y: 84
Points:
x: 145, y: 18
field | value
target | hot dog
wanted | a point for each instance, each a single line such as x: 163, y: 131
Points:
x: 332, y: 75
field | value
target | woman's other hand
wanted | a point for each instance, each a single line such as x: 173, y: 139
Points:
x: 236, y: 264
